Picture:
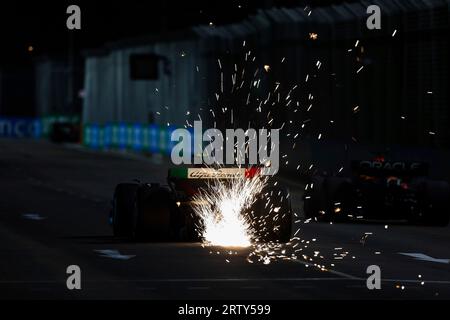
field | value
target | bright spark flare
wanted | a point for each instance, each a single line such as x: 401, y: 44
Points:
x: 222, y: 210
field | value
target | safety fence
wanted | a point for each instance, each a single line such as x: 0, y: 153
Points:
x: 28, y: 127
x: 124, y: 136
x: 12, y: 127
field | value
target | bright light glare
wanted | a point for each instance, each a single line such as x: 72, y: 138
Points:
x: 222, y: 209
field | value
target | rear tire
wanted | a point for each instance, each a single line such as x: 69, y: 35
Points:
x: 437, y: 194
x: 340, y: 191
x: 319, y: 202
x: 123, y: 207
x: 276, y: 214
x: 312, y: 198
x: 154, y: 207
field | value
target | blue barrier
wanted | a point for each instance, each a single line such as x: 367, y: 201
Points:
x: 154, y: 142
x: 122, y: 136
x: 137, y: 137
x: 13, y: 127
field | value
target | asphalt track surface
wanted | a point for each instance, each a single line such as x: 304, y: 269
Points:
x: 54, y: 203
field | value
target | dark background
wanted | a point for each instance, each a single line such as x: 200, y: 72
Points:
x: 42, y: 24
x: 31, y: 31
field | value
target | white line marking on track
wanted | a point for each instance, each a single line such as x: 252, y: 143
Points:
x: 424, y: 257
x: 237, y: 279
x: 338, y: 273
x: 33, y: 216
x: 224, y: 280
x: 183, y: 280
x: 417, y: 281
x: 114, y: 254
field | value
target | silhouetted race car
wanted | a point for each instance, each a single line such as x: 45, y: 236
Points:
x: 379, y: 190
x: 150, y: 211
x: 61, y: 132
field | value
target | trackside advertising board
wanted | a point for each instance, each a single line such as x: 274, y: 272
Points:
x: 12, y: 127
x: 138, y: 137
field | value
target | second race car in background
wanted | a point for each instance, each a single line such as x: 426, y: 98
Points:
x: 379, y: 189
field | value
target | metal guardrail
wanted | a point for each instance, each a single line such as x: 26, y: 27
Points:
x: 137, y: 137
x: 14, y: 127
x: 30, y: 127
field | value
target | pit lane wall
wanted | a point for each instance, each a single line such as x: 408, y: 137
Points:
x: 31, y: 127
x: 134, y: 137
x: 12, y: 127
x: 311, y: 156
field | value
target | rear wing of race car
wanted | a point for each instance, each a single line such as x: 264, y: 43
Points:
x: 188, y: 181
x: 384, y: 168
x: 212, y: 173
